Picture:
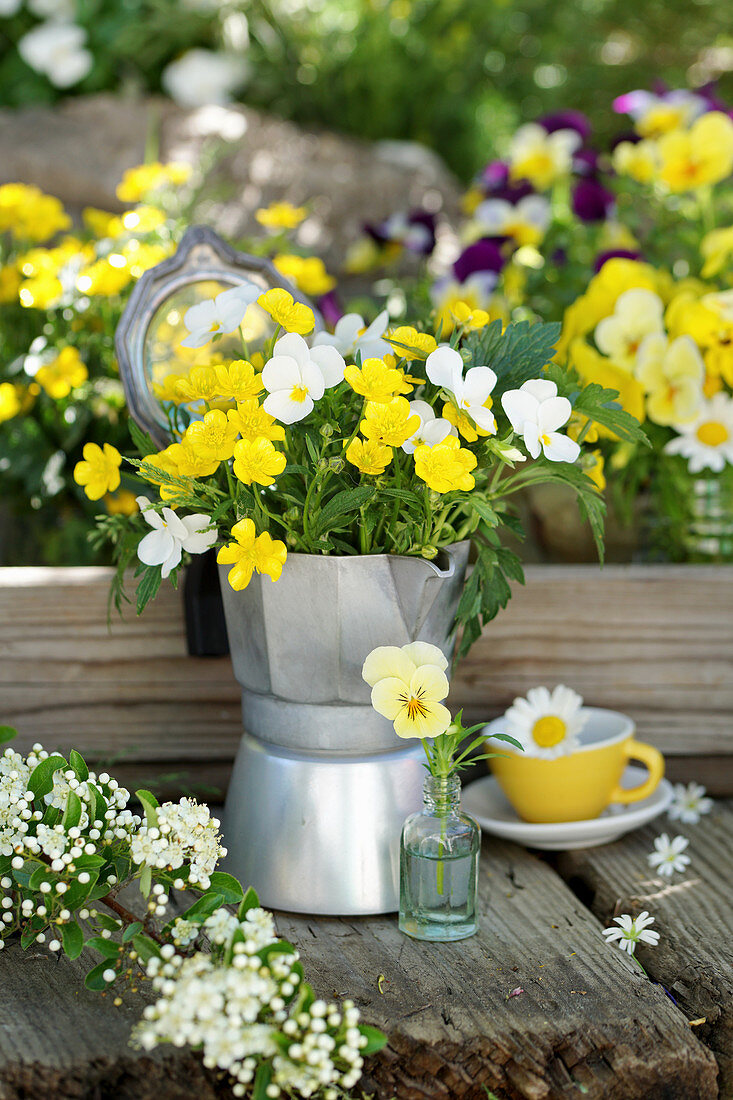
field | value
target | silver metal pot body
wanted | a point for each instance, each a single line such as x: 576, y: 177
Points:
x: 321, y: 784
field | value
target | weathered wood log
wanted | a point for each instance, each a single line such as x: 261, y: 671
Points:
x: 693, y: 913
x: 583, y: 1020
x: 654, y: 641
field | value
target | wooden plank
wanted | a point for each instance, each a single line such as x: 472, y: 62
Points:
x: 655, y: 641
x: 693, y: 914
x: 587, y: 1023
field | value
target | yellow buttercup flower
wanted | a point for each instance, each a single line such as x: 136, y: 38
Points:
x: 121, y: 503
x: 199, y: 385
x: 167, y: 390
x: 389, y: 423
x: 637, y: 160
x: 251, y: 552
x: 9, y: 283
x: 593, y: 367
x: 237, y: 380
x: 101, y: 223
x: 140, y: 257
x: 285, y: 311
x: 576, y: 425
x: 281, y: 215
x: 411, y: 344
x: 139, y: 182
x: 142, y: 220
x: 192, y: 462
x: 369, y: 456
x: 63, y: 374
x: 10, y: 401
x: 29, y: 214
x: 716, y: 249
x: 213, y: 437
x: 595, y: 472
x: 252, y: 422
x: 99, y: 472
x: 375, y: 380
x: 408, y: 381
x: 257, y: 460
x: 701, y: 155
x: 446, y: 466
x: 463, y: 422
x: 672, y: 375
x: 469, y: 317
x: 105, y: 277
x: 307, y: 272
x: 164, y: 461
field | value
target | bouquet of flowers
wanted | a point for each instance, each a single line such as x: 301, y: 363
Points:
x: 367, y: 440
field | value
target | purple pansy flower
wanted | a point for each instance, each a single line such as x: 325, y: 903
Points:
x: 615, y: 254
x: 567, y: 120
x: 484, y: 255
x: 592, y: 202
x: 330, y: 308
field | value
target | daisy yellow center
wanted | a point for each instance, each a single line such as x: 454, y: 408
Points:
x: 299, y: 394
x: 712, y: 433
x: 548, y: 731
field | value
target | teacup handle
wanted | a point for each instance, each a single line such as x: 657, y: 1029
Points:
x: 647, y: 754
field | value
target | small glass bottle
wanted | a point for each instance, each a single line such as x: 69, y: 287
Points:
x: 439, y: 855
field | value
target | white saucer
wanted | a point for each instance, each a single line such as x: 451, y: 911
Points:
x: 485, y: 801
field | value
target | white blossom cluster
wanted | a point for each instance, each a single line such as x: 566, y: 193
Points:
x: 233, y: 1005
x: 185, y: 833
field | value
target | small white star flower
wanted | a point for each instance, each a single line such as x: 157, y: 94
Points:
x: 689, y: 803
x: 632, y: 930
x: 668, y: 855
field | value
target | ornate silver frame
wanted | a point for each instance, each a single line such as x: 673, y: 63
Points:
x: 201, y: 255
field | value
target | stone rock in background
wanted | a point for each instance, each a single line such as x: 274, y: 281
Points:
x: 79, y: 150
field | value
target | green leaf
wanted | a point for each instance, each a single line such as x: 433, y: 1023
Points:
x: 506, y: 737
x: 72, y: 813
x: 42, y: 874
x: 376, y: 1040
x: 109, y: 948
x: 99, y: 804
x: 345, y: 503
x: 78, y: 892
x: 602, y: 405
x: 77, y: 762
x: 7, y: 733
x: 228, y: 886
x: 148, y: 587
x: 249, y: 901
x: 150, y: 805
x: 262, y: 1080
x: 94, y: 979
x: 146, y: 948
x: 141, y: 439
x: 516, y: 354
x: 72, y: 939
x: 203, y: 907
x: 112, y: 924
x: 146, y: 881
x: 131, y: 931
x: 41, y: 779
x: 487, y: 513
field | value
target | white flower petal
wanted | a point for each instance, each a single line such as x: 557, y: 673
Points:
x: 444, y: 368
x: 282, y: 372
x: 280, y: 405
x: 331, y: 364
x: 553, y: 413
x: 561, y: 448
x: 521, y: 407
x: 155, y: 547
x: 294, y: 346
x: 540, y: 388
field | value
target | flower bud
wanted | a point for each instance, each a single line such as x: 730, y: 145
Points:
x: 326, y: 430
x: 429, y: 552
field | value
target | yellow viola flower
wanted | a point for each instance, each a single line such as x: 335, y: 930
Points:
x: 701, y: 155
x: 62, y: 374
x: 672, y: 375
x: 140, y: 181
x: 595, y: 472
x: 593, y: 367
x: 9, y: 283
x: 369, y: 456
x: 716, y: 249
x: 252, y: 422
x: 238, y: 380
x: 576, y: 425
x: 616, y: 276
x: 463, y: 422
x: 164, y: 461
x: 374, y: 380
x: 99, y: 472
x: 713, y: 382
x: 281, y: 215
x: 257, y: 460
x: 446, y: 466
x: 285, y: 311
x: 307, y: 272
x: 637, y: 313
x: 408, y: 684
x: 389, y: 423
x: 411, y: 344
x: 637, y: 160
x: 192, y: 462
x: 10, y: 401
x: 167, y: 389
x: 199, y: 385
x: 105, y: 277
x: 121, y: 503
x: 251, y: 552
x: 213, y: 437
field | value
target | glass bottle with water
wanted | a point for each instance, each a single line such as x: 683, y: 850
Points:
x: 439, y: 856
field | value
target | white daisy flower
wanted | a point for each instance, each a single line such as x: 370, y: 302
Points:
x: 707, y: 440
x: 689, y: 803
x: 632, y: 930
x: 545, y: 723
x: 668, y: 855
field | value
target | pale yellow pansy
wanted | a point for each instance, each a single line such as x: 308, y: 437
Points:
x: 408, y: 685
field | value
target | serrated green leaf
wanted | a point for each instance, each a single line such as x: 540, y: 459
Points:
x: 148, y: 587
x: 142, y: 440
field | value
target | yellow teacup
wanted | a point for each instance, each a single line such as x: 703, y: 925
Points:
x: 579, y: 786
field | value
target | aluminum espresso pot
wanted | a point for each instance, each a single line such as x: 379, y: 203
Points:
x: 321, y: 784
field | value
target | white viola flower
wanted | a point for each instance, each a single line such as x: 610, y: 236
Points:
x: 9, y: 7
x: 707, y: 441
x: 632, y: 930
x: 444, y: 368
x: 412, y: 235
x: 353, y: 337
x: 536, y: 412
x: 218, y: 316
x: 526, y: 221
x: 668, y: 855
x: 433, y: 429
x: 637, y: 314
x: 57, y: 50
x: 297, y: 376
x: 200, y: 77
x: 171, y: 535
x: 688, y: 803
x: 546, y: 723
x: 52, y: 9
